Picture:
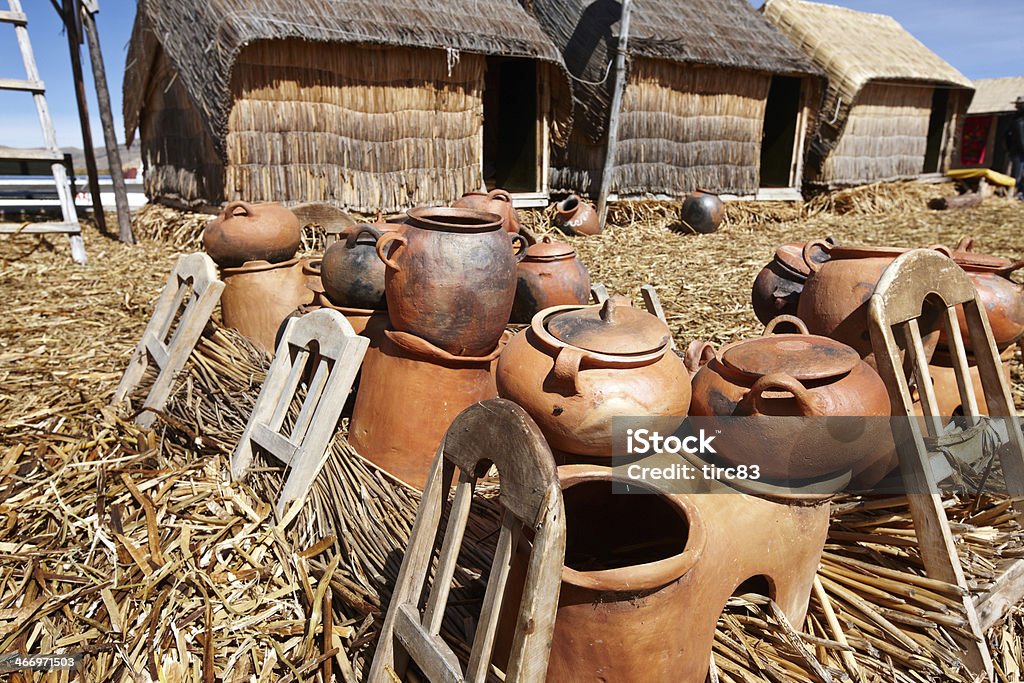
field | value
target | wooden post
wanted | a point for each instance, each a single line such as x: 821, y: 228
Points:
x: 99, y: 77
x: 613, y: 121
x: 70, y: 18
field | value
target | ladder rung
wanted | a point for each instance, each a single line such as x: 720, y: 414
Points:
x: 18, y: 18
x: 10, y: 154
x: 38, y: 228
x: 21, y: 84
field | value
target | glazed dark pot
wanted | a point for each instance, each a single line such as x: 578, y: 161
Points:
x: 576, y: 216
x: 246, y: 232
x: 551, y: 274
x: 778, y: 285
x: 451, y: 278
x: 352, y: 273
x: 496, y: 201
x: 702, y: 211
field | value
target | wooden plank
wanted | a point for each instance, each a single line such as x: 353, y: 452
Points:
x: 1007, y: 592
x: 616, y: 110
x: 428, y: 650
x: 272, y: 441
x: 22, y: 84
x: 490, y: 611
x: 16, y: 18
x: 31, y: 155
x: 38, y: 228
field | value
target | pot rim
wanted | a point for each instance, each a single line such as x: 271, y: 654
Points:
x: 432, y: 218
x: 260, y: 265
x: 649, y: 575
x: 422, y: 347
x: 554, y: 344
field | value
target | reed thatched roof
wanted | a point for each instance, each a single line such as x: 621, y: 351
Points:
x: 723, y: 33
x: 996, y: 95
x: 202, y: 40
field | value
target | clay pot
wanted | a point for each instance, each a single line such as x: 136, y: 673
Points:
x: 252, y: 232
x: 258, y: 297
x: 576, y: 216
x: 311, y: 269
x: 410, y: 391
x: 577, y: 367
x: 778, y: 285
x: 702, y: 211
x: 496, y: 201
x: 945, y: 387
x: 352, y: 273
x: 451, y: 278
x: 550, y: 275
x: 1002, y: 297
x: 793, y: 375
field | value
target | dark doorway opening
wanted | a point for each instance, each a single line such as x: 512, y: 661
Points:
x: 936, y: 128
x: 778, y: 138
x: 510, y: 124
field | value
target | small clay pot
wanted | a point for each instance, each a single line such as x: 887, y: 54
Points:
x: 778, y: 285
x: 259, y: 296
x: 1002, y: 298
x: 576, y: 216
x: 702, y: 211
x: 451, y: 278
x: 496, y: 201
x: 577, y: 367
x: 246, y: 232
x: 352, y: 273
x: 551, y: 274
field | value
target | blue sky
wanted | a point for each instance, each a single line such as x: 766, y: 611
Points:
x: 981, y: 38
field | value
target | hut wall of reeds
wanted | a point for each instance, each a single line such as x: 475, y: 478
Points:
x: 893, y: 107
x: 694, y: 105
x: 370, y: 105
x: 982, y: 140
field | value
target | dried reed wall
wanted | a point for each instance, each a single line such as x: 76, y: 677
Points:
x: 367, y: 128
x: 180, y: 159
x: 682, y: 127
x: 885, y: 136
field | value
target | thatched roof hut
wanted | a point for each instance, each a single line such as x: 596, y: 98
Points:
x: 892, y: 107
x: 368, y: 104
x: 982, y: 142
x: 707, y: 82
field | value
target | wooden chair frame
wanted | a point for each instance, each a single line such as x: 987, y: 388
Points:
x: 895, y: 307
x: 337, y: 352
x: 169, y: 354
x: 491, y: 432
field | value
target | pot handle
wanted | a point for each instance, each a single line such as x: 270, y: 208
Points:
x: 824, y: 245
x: 230, y: 209
x: 698, y: 354
x: 1006, y: 270
x: 500, y: 194
x: 382, y: 248
x: 942, y: 249
x: 523, y: 245
x: 567, y: 367
x: 966, y: 243
x: 780, y: 381
x: 360, y: 229
x: 796, y: 322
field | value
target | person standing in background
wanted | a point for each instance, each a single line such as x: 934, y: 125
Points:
x: 1015, y: 146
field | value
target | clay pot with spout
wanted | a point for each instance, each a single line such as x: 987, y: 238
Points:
x: 778, y: 285
x: 702, y: 211
x: 577, y: 367
x: 259, y: 296
x: 451, y: 278
x: 496, y: 201
x: 576, y: 216
x: 550, y: 275
x: 352, y: 273
x: 252, y: 232
x: 793, y: 375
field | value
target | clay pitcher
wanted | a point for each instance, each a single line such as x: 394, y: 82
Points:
x: 252, y: 232
x: 576, y: 216
x: 451, y: 278
x: 496, y: 201
x: 550, y: 275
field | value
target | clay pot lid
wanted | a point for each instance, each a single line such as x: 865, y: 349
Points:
x: 549, y: 249
x: 801, y: 356
x: 614, y: 328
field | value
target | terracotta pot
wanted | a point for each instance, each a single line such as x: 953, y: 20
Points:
x: 702, y: 211
x: 496, y: 201
x: 777, y: 287
x: 252, y: 232
x: 793, y: 375
x: 311, y: 269
x: 834, y: 300
x: 409, y: 393
x: 451, y: 278
x: 577, y: 216
x: 259, y: 296
x: 944, y: 382
x: 352, y: 273
x: 550, y: 275
x: 577, y: 367
x: 1002, y: 297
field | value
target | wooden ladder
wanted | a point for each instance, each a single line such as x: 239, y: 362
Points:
x: 34, y: 84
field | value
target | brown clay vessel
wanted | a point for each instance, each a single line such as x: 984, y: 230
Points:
x: 947, y: 394
x: 702, y: 211
x: 577, y: 216
x: 352, y: 273
x: 258, y: 297
x: 496, y: 201
x: 252, y: 232
x: 1002, y: 298
x: 551, y: 274
x: 777, y: 287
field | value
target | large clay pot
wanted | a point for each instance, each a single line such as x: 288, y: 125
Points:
x: 258, y: 297
x: 778, y: 285
x: 550, y: 275
x: 451, y: 278
x: 252, y: 232
x: 793, y: 375
x: 702, y: 211
x: 496, y: 201
x: 409, y: 393
x: 1002, y: 297
x: 577, y: 216
x: 947, y: 394
x: 352, y: 273
x: 577, y: 367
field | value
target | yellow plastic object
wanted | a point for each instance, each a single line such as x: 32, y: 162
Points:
x: 988, y: 174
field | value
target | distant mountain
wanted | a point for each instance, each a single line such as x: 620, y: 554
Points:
x: 130, y: 158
